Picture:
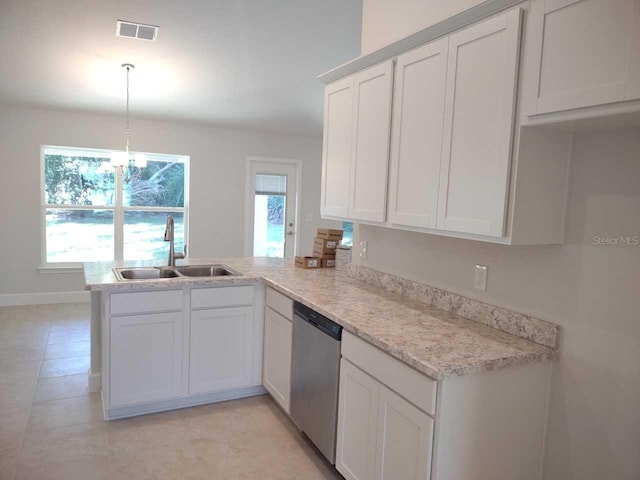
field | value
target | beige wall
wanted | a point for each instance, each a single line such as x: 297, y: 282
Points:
x: 217, y: 183
x: 593, y: 291
x: 385, y: 21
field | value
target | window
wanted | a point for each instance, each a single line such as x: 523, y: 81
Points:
x: 347, y: 236
x: 93, y: 212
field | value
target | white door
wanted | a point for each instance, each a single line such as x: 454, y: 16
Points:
x: 278, y: 334
x: 146, y: 358
x: 221, y: 349
x: 581, y: 52
x: 405, y: 437
x: 357, y: 423
x: 370, y: 145
x: 336, y: 148
x: 479, y: 116
x: 272, y: 200
x: 416, y: 142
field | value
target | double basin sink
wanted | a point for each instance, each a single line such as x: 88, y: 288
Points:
x: 158, y: 273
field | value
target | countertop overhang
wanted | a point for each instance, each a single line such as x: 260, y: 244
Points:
x: 435, y: 342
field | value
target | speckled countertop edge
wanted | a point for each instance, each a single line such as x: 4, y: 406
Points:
x: 437, y: 343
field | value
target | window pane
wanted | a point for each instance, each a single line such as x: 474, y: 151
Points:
x: 144, y: 235
x: 268, y: 226
x: 78, y: 180
x: 79, y: 235
x: 347, y: 236
x: 160, y: 184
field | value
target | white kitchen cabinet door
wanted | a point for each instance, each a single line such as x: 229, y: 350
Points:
x: 404, y: 439
x: 581, y: 52
x: 146, y: 358
x: 416, y: 142
x: 336, y: 148
x: 357, y: 423
x: 221, y: 349
x: 633, y: 80
x: 278, y: 334
x: 370, y: 145
x: 479, y: 117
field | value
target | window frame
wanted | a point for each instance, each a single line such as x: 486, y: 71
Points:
x: 118, y: 208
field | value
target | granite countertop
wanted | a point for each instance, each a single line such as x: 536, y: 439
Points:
x: 435, y: 342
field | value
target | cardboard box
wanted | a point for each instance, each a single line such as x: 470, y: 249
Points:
x: 329, y: 234
x: 308, y: 262
x: 325, y: 246
x: 322, y: 255
x: 328, y: 263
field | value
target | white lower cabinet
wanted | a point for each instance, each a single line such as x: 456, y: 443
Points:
x: 146, y: 358
x: 165, y: 349
x: 357, y: 423
x: 278, y: 335
x: 381, y: 436
x: 405, y: 435
x: 221, y: 352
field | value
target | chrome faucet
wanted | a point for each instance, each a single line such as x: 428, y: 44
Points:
x: 168, y: 237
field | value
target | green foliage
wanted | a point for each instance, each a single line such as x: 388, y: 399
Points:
x: 76, y: 180
x: 160, y: 184
x: 275, y: 209
x: 91, y: 181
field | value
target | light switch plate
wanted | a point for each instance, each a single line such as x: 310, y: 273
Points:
x: 364, y: 245
x: 480, y: 277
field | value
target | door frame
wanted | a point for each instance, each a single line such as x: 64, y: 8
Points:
x: 249, y: 192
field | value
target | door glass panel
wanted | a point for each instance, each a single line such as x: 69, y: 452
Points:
x: 144, y: 234
x: 269, y: 215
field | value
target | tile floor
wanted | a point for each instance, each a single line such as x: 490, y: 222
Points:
x: 51, y: 427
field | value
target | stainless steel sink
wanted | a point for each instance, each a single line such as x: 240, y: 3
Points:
x: 144, y: 273
x: 155, y: 273
x: 206, y: 271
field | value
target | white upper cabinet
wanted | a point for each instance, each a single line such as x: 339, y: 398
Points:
x: 416, y: 145
x: 357, y: 120
x: 583, y: 53
x: 370, y: 146
x: 479, y: 122
x: 460, y: 162
x: 633, y: 81
x: 336, y: 150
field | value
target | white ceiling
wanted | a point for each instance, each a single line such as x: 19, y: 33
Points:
x: 238, y: 63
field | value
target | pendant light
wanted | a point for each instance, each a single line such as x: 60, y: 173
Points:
x: 123, y: 159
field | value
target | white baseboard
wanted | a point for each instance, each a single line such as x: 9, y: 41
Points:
x: 95, y: 381
x: 14, y: 299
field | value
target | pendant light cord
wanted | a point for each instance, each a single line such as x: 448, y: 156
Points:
x: 127, y: 128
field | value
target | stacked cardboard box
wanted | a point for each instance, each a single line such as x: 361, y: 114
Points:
x: 324, y: 249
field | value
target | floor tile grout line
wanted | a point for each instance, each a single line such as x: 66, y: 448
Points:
x: 24, y: 432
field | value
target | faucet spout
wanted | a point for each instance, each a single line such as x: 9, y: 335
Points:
x: 169, y: 234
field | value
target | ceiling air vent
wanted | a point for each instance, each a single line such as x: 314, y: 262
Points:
x: 136, y: 30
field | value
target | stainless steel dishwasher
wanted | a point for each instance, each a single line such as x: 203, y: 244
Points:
x: 315, y: 367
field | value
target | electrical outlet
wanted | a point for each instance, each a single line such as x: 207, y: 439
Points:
x: 480, y: 277
x: 364, y: 245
